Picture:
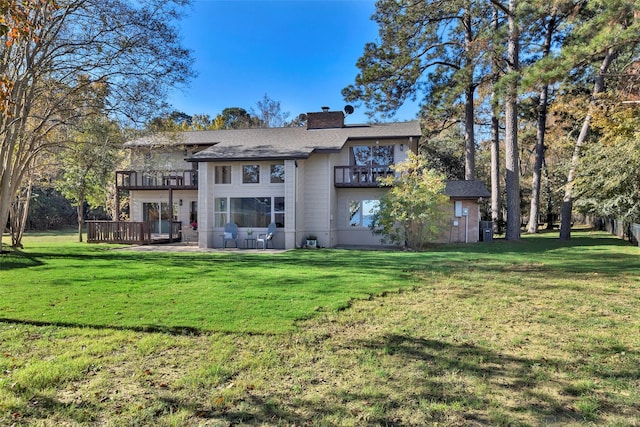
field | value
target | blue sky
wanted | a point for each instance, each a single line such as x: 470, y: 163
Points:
x: 299, y: 52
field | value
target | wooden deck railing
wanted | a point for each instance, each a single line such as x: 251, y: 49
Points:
x: 360, y: 176
x: 118, y: 232
x: 138, y: 233
x: 157, y: 180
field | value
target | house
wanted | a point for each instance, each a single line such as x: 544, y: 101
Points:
x: 318, y: 180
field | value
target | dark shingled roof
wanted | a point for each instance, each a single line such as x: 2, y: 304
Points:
x: 466, y: 189
x: 277, y: 143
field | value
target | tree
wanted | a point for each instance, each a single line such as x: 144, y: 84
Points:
x: 17, y: 22
x: 131, y: 47
x: 444, y: 153
x: 88, y: 163
x: 512, y: 159
x: 430, y: 48
x: 412, y: 212
x: 608, y: 179
x: 269, y: 113
x: 554, y: 14
x: 235, y: 118
x: 607, y: 30
x: 494, y: 104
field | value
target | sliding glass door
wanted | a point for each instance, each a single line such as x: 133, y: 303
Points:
x: 158, y: 215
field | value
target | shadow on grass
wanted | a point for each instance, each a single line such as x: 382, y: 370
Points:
x: 15, y: 258
x: 41, y: 407
x: 171, y: 330
x: 440, y: 399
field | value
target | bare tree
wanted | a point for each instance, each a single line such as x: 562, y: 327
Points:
x: 270, y: 113
x: 131, y: 48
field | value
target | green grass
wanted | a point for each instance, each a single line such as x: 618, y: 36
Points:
x: 65, y: 283
x: 539, y: 332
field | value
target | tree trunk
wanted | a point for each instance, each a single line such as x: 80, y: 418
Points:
x: 534, y: 210
x: 469, y: 114
x: 567, y: 203
x: 80, y: 212
x: 496, y: 209
x: 19, y: 214
x: 547, y: 186
x: 511, y: 130
x: 469, y: 137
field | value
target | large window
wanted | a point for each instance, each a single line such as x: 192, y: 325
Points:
x: 372, y: 155
x: 277, y: 174
x: 361, y: 212
x: 250, y: 174
x: 249, y: 212
x: 223, y: 174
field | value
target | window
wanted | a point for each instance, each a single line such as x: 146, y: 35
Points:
x: 251, y: 174
x: 367, y: 155
x: 277, y: 174
x: 251, y: 211
x: 220, y: 211
x: 361, y: 212
x: 223, y: 174
x: 278, y: 211
x: 193, y: 213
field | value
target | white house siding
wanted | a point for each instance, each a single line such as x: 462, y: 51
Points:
x: 314, y: 194
x: 290, y: 205
x: 354, y: 235
x: 322, y: 209
x: 212, y: 236
x: 205, y: 205
x: 342, y: 232
x: 300, y: 206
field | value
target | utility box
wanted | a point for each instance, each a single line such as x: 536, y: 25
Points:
x: 486, y: 231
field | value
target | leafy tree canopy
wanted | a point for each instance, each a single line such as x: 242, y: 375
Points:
x: 412, y: 212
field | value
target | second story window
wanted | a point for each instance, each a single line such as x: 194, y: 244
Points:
x: 223, y: 174
x: 277, y: 174
x: 372, y: 155
x: 250, y: 174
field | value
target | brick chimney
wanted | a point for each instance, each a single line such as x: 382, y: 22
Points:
x: 325, y: 119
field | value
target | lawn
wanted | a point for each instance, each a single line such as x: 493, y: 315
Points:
x: 539, y: 332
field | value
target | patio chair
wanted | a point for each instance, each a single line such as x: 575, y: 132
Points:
x: 230, y: 234
x: 267, y: 237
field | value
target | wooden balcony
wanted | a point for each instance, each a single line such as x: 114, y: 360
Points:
x: 360, y: 176
x: 157, y: 180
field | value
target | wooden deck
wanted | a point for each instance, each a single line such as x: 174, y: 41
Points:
x: 157, y: 180
x: 128, y: 232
